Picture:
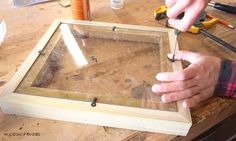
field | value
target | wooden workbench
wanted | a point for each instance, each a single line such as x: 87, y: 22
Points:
x: 25, y: 26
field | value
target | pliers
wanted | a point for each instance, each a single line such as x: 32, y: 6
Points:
x: 199, y: 27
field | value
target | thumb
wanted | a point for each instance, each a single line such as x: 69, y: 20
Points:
x: 185, y: 55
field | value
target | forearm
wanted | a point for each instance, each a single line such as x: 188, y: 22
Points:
x: 226, y: 85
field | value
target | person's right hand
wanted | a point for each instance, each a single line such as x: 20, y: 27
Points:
x: 193, y: 84
x: 191, y: 9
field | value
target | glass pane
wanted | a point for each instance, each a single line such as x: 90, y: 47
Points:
x: 115, y: 65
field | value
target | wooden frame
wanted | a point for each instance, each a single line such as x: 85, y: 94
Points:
x: 170, y: 122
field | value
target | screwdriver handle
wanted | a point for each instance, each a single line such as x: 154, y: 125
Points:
x: 218, y: 40
x: 223, y: 7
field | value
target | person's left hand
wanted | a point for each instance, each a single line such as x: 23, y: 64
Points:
x: 192, y: 84
x: 190, y: 8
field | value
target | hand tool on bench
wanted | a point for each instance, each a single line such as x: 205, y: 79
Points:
x: 223, y: 7
x: 160, y: 13
x: 199, y: 26
x: 225, y: 23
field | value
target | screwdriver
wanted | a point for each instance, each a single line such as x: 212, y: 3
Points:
x: 177, y: 32
x: 223, y: 7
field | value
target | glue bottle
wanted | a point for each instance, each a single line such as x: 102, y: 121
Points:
x: 117, y: 4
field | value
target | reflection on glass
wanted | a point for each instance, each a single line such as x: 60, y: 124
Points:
x: 72, y: 45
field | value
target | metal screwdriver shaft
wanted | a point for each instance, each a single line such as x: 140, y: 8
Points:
x: 177, y: 32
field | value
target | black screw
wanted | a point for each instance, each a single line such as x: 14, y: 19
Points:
x: 113, y: 28
x: 171, y: 59
x: 41, y: 52
x: 94, y: 58
x: 93, y: 104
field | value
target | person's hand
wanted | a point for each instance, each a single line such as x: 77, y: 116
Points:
x: 192, y: 84
x: 191, y: 9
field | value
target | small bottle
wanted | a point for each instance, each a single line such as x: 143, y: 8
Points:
x: 117, y: 4
x: 80, y: 9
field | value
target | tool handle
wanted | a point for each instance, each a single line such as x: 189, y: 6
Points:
x: 226, y: 8
x: 218, y: 40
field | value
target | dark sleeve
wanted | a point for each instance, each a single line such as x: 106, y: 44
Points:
x: 226, y: 85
